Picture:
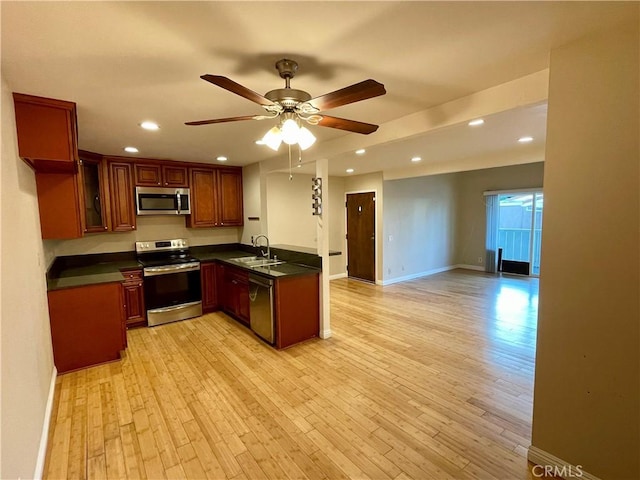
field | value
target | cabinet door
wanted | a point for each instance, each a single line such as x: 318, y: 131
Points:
x: 148, y: 175
x: 47, y: 133
x: 208, y: 276
x: 230, y: 197
x: 203, y: 189
x: 77, y: 342
x: 134, y: 304
x: 59, y: 205
x: 175, y: 176
x: 93, y: 205
x: 243, y: 304
x: 121, y: 193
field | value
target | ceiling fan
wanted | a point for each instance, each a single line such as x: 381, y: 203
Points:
x: 294, y: 106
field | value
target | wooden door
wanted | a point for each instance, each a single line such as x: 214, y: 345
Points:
x: 203, y: 190
x: 208, y: 277
x: 230, y: 197
x: 361, y: 236
x: 121, y: 196
x: 135, y: 312
x: 148, y: 175
x: 175, y: 176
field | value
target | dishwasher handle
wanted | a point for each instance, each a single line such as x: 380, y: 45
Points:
x: 261, y: 281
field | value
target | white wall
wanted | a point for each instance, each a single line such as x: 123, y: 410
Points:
x: 419, y: 226
x: 27, y: 356
x: 290, y: 219
x: 252, y: 203
x: 337, y: 219
x: 471, y: 213
x: 586, y: 408
x: 147, y: 228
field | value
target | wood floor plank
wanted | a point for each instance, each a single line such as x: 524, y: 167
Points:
x: 431, y: 378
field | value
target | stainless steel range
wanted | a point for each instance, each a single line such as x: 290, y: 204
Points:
x: 171, y: 280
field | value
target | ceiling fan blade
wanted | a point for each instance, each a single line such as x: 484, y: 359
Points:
x: 223, y: 120
x: 349, y: 125
x: 354, y: 93
x: 236, y: 88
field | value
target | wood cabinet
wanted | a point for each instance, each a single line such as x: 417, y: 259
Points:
x: 209, y: 282
x: 133, y: 288
x: 47, y: 133
x: 121, y: 193
x: 94, y: 208
x: 216, y: 197
x: 156, y: 175
x: 59, y: 205
x: 230, y: 197
x: 87, y: 325
x: 297, y: 309
x: 236, y: 293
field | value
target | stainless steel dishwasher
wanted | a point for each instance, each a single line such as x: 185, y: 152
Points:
x: 261, y: 307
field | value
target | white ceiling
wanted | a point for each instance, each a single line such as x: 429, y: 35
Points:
x: 125, y: 62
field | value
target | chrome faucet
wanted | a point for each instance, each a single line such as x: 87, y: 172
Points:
x: 255, y: 244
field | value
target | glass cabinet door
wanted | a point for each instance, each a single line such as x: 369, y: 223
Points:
x: 94, y: 213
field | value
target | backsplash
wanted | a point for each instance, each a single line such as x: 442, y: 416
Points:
x: 148, y: 228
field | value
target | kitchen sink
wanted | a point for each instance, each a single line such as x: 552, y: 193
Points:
x: 255, y: 262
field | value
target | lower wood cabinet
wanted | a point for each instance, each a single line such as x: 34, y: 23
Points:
x: 297, y: 309
x: 209, y: 282
x: 87, y: 325
x: 133, y: 288
x: 235, y: 299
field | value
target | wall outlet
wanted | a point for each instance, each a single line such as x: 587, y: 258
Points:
x: 389, y: 271
x: 479, y: 259
x: 391, y: 238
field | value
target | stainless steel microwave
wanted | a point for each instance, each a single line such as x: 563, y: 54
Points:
x: 163, y: 201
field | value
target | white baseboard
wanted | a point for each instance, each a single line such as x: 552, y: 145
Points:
x: 559, y: 467
x: 325, y: 334
x: 478, y: 268
x: 417, y: 275
x: 337, y: 276
x: 42, y: 450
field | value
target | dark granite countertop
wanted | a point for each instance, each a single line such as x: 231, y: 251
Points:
x: 91, y: 269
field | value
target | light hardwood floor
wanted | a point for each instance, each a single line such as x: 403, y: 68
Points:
x: 427, y: 379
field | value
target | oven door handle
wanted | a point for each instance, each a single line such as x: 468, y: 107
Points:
x: 174, y: 307
x: 184, y: 267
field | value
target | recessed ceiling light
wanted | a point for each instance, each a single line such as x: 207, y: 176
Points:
x: 476, y: 122
x: 222, y: 158
x: 149, y: 125
x: 416, y: 159
x: 349, y: 170
x: 259, y: 142
x: 525, y: 139
x: 131, y: 149
x: 360, y: 152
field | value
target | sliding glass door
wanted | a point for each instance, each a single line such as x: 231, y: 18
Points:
x: 519, y: 227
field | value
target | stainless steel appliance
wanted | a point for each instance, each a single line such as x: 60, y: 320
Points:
x: 163, y: 201
x: 171, y: 280
x: 261, y: 307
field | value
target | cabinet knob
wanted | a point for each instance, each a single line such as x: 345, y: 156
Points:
x: 105, y: 228
x: 133, y: 227
x: 221, y: 223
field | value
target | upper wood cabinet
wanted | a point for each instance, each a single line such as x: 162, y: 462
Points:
x: 47, y: 133
x: 94, y: 206
x: 123, y: 215
x: 230, y: 197
x: 156, y: 175
x: 59, y: 205
x: 216, y: 197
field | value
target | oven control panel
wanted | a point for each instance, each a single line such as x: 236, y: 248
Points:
x: 162, y: 245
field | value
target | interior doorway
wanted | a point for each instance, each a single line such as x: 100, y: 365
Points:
x: 361, y: 236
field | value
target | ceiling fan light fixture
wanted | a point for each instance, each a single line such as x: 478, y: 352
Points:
x: 290, y: 131
x: 273, y: 138
x: 305, y: 138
